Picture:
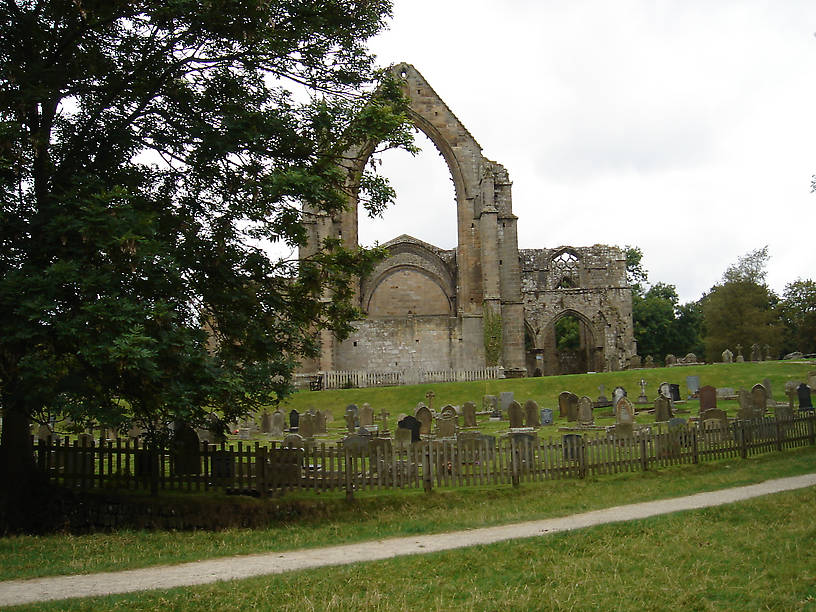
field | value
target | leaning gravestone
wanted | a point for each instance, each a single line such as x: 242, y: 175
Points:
x: 294, y: 420
x: 413, y: 425
x: 186, y: 451
x: 662, y: 407
x: 424, y: 416
x: 366, y: 415
x: 531, y: 414
x: 708, y: 398
x: 515, y: 415
x: 505, y: 398
x: 805, y: 402
x: 585, y: 415
x: 469, y: 413
x: 567, y: 403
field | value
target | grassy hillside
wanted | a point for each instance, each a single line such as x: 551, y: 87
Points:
x: 545, y: 390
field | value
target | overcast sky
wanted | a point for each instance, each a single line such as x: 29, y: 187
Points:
x: 686, y: 128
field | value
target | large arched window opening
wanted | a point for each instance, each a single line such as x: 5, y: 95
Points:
x: 573, y: 344
x: 425, y: 206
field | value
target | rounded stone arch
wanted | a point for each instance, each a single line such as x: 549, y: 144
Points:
x: 418, y: 293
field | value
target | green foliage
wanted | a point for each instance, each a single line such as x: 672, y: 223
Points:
x: 636, y: 275
x: 797, y: 311
x: 662, y: 325
x: 148, y: 151
x: 492, y: 336
x: 741, y: 309
x: 567, y: 334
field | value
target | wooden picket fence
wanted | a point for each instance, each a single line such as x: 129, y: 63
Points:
x: 360, y: 379
x: 427, y: 464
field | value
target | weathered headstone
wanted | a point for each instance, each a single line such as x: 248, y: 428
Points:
x: 663, y: 408
x: 430, y: 395
x: 402, y: 437
x: 424, y: 416
x: 725, y: 393
x: 767, y: 352
x: 664, y: 389
x: 222, y: 465
x: 505, y: 398
x: 532, y: 416
x: 624, y: 411
x: 384, y: 420
x: 356, y: 444
x: 567, y: 403
x: 446, y: 426
x: 294, y: 420
x: 322, y: 426
x: 585, y: 414
x: 739, y: 358
x: 805, y: 401
x: 294, y: 440
x: 469, y: 413
x: 708, y: 398
x: 266, y: 422
x: 759, y: 399
x: 643, y: 398
x: 783, y: 412
x: 447, y: 412
x: 746, y: 405
x: 756, y: 355
x: 649, y: 363
x: 693, y: 385
x: 602, y: 399
x: 727, y: 356
x: 278, y: 424
x: 366, y: 415
x: 634, y: 362
x: 617, y: 393
x: 714, y: 419
x: 670, y: 360
x: 546, y: 416
x: 515, y: 414
x: 307, y: 426
x: 243, y: 433
x: 413, y: 425
x: 675, y: 392
x: 489, y: 403
x: 350, y: 418
x: 186, y: 450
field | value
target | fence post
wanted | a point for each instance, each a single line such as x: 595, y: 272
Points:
x: 347, y: 465
x: 582, y: 463
x: 695, y: 456
x: 427, y: 476
x: 644, y: 460
x: 743, y: 440
x: 514, y: 461
x: 778, y: 435
x: 260, y: 471
x: 810, y: 429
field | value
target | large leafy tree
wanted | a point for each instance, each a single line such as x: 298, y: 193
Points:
x: 741, y: 308
x: 149, y: 150
x: 797, y: 311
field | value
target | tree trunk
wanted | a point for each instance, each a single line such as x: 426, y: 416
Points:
x: 17, y: 465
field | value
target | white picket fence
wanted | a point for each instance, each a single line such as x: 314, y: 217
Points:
x: 360, y: 379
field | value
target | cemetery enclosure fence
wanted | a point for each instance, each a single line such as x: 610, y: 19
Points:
x: 477, y: 460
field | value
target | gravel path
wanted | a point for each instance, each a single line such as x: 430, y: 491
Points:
x: 15, y: 592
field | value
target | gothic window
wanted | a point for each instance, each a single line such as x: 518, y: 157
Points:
x: 564, y: 270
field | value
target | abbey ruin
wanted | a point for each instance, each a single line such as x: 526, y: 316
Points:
x: 486, y: 302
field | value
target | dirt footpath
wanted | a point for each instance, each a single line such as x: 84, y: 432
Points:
x: 15, y: 592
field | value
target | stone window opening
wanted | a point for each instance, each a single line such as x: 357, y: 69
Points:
x: 564, y: 270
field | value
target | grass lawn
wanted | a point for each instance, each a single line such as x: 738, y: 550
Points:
x: 753, y: 555
x: 374, y: 515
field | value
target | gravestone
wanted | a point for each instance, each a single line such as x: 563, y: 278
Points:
x: 469, y: 413
x: 759, y: 399
x: 585, y: 414
x: 803, y: 392
x: 756, y: 355
x: 266, y: 423
x: 350, y: 418
x: 725, y: 393
x: 413, y: 425
x: 446, y: 426
x: 307, y: 425
x: 767, y: 352
x: 664, y: 389
x: 489, y: 403
x: 546, y: 416
x: 424, y: 416
x: 186, y: 450
x: 278, y: 423
x: 366, y: 415
x: 531, y: 414
x: 322, y: 426
x: 642, y: 398
x: 505, y: 398
x: 727, y: 356
x: 670, y: 360
x: 693, y: 385
x: 783, y: 412
x: 356, y: 444
x: 515, y: 415
x: 714, y: 419
x: 690, y: 358
x: 567, y: 403
x: 649, y: 363
x: 448, y: 412
x: 635, y: 362
x: 222, y: 465
x: 602, y: 399
x: 430, y: 395
x: 617, y: 393
x: 294, y: 440
x: 294, y: 420
x: 217, y: 428
x: 624, y: 411
x: 663, y: 408
x: 708, y: 398
x: 403, y: 437
x: 746, y: 405
x: 243, y: 433
x: 384, y: 418
x: 739, y: 358
x: 675, y: 392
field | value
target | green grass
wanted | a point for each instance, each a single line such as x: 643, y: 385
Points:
x: 545, y: 389
x: 374, y: 515
x: 753, y: 555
